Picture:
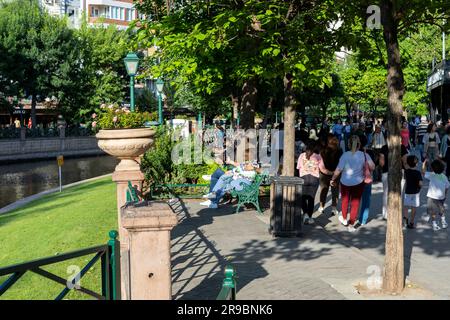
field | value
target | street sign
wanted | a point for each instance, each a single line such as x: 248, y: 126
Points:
x: 60, y: 160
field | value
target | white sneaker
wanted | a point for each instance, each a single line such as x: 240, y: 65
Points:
x: 351, y: 228
x: 305, y: 219
x: 343, y: 221
x: 426, y: 218
x: 205, y: 203
x: 444, y: 223
x: 320, y: 209
x: 211, y: 195
x: 213, y: 205
x: 206, y: 177
x: 310, y: 221
x: 435, y: 226
x: 205, y: 196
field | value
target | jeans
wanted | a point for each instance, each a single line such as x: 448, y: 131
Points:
x: 214, y: 178
x: 432, y: 154
x: 365, y: 204
x: 220, y: 187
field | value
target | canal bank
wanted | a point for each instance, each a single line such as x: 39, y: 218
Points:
x: 22, y: 180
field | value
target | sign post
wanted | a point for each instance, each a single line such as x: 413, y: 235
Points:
x: 60, y: 160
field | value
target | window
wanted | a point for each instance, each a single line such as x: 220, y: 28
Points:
x: 122, y: 14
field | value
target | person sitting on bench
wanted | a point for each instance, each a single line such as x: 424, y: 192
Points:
x: 222, y: 182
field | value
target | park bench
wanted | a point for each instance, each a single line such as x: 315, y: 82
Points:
x: 250, y: 193
x: 132, y: 193
x: 228, y: 291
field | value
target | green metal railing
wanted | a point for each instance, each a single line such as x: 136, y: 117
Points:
x: 109, y: 254
x: 228, y: 291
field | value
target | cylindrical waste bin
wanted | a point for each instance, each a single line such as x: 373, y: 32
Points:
x: 286, y: 206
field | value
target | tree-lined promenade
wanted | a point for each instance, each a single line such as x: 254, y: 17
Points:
x: 240, y: 60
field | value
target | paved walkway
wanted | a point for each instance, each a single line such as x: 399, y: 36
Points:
x: 326, y: 263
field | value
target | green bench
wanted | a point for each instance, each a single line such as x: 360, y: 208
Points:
x: 250, y: 193
x: 132, y: 193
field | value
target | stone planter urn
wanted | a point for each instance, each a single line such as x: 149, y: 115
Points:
x: 126, y: 145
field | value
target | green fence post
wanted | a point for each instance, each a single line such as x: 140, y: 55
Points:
x: 228, y: 285
x: 114, y: 264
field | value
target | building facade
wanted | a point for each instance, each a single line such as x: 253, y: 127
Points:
x: 97, y: 12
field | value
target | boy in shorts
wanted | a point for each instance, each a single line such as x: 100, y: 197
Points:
x: 412, y: 191
x: 437, y: 192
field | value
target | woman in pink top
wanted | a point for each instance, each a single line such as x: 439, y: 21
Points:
x: 308, y: 168
x: 405, y: 135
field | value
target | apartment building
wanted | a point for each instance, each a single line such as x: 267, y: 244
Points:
x: 69, y: 8
x: 106, y: 12
x: 97, y: 12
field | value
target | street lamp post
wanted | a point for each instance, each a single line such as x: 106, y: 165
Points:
x: 131, y: 63
x: 159, y: 88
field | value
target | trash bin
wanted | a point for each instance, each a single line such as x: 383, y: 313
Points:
x: 286, y: 207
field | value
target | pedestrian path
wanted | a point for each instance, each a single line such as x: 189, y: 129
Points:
x: 328, y: 262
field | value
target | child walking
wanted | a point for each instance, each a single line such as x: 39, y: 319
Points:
x: 412, y: 191
x: 437, y: 192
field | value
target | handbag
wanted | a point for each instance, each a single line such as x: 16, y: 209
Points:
x: 367, y: 174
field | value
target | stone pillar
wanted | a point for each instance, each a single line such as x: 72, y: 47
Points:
x: 148, y: 226
x: 121, y: 178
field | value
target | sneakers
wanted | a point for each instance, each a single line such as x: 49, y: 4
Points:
x: 444, y: 223
x: 435, y: 226
x: 343, y: 221
x: 425, y: 218
x: 405, y: 223
x: 206, y: 177
x: 320, y: 209
x: 351, y: 228
x: 334, y: 211
x: 210, y: 195
x: 205, y: 203
x: 213, y: 205
x: 307, y: 220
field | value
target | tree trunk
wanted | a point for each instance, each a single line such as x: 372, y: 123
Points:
x: 393, y: 281
x: 33, y: 110
x: 248, y: 104
x: 289, y: 127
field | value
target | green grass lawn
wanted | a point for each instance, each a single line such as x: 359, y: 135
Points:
x: 77, y: 218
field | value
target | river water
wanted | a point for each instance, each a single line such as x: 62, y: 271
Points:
x: 27, y: 178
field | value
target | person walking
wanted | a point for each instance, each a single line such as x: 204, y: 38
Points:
x: 413, y: 185
x: 421, y: 130
x: 308, y: 169
x: 445, y: 151
x: 431, y: 143
x: 367, y: 193
x: 352, y: 166
x: 330, y: 158
x: 437, y: 193
x: 404, y: 133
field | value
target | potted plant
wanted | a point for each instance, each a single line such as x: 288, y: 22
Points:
x: 123, y: 134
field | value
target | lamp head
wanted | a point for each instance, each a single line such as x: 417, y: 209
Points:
x: 160, y: 85
x: 131, y: 63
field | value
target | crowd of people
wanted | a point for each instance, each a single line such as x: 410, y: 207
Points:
x: 346, y: 158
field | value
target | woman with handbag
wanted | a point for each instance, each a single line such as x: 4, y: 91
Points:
x: 353, y: 167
